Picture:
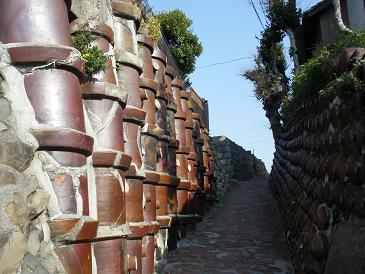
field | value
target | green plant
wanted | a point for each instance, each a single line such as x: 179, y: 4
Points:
x: 281, y: 16
x: 118, y: 66
x: 95, y: 59
x: 183, y: 44
x: 343, y: 86
x: 190, y: 103
x: 151, y: 27
x: 82, y: 40
x: 267, y: 83
x: 353, y: 39
x: 269, y: 74
x: 318, y: 75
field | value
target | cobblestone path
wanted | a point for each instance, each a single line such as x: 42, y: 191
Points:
x: 242, y: 234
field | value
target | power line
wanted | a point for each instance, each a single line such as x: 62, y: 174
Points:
x: 226, y: 62
x: 263, y: 9
x: 257, y: 14
x: 257, y: 140
x: 247, y: 130
x: 254, y: 136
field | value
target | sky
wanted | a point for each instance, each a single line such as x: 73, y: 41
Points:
x: 227, y: 31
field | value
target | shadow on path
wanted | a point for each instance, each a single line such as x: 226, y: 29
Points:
x: 243, y: 234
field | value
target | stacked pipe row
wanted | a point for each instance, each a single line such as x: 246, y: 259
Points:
x: 318, y: 171
x: 122, y: 153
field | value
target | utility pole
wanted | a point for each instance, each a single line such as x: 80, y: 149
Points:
x: 254, y: 160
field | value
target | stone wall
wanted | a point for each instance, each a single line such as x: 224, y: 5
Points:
x: 233, y: 163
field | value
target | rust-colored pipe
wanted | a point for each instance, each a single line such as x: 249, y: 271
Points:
x: 159, y: 62
x: 104, y: 102
x: 174, y: 143
x: 127, y: 19
x: 198, y: 143
x: 150, y: 136
x: 183, y: 151
x: 192, y: 218
x: 166, y: 165
x: 210, y: 197
x: 192, y: 156
x: 172, y: 148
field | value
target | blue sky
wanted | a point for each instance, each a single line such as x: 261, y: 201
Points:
x: 227, y: 30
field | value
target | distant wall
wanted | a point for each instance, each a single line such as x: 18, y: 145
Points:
x: 233, y: 163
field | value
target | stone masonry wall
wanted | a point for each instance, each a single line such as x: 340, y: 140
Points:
x: 233, y: 163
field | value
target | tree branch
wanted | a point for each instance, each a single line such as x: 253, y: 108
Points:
x: 291, y: 36
x: 337, y: 6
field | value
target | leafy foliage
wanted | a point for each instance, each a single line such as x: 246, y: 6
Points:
x: 118, y: 66
x: 151, y: 27
x: 269, y: 73
x: 183, y: 44
x: 343, y: 86
x: 353, y: 39
x: 318, y: 75
x: 281, y: 16
x: 267, y: 84
x: 83, y: 39
x: 95, y: 59
x: 189, y: 103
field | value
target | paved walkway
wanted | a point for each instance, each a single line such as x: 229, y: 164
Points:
x: 243, y: 234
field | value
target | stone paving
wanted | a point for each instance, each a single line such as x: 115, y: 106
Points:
x: 242, y: 234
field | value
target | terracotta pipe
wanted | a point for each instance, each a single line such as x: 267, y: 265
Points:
x: 200, y: 170
x: 132, y: 263
x: 103, y: 98
x: 185, y: 155
x: 166, y: 109
x: 126, y: 22
x: 149, y: 252
x: 210, y: 197
x: 172, y: 148
x: 111, y: 256
x: 192, y: 157
x: 151, y: 134
x: 159, y: 63
x: 183, y: 150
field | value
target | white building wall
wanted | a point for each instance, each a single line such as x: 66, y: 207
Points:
x: 356, y: 14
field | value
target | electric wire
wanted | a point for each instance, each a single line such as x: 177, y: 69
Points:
x: 256, y: 12
x: 225, y: 62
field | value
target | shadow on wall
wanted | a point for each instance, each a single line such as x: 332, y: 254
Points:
x: 233, y: 163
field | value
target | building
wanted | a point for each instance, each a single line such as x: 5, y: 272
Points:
x: 319, y: 25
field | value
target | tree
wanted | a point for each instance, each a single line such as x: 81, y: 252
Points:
x: 271, y: 87
x: 269, y: 74
x: 183, y: 43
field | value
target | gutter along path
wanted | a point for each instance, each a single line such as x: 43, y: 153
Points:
x: 242, y: 234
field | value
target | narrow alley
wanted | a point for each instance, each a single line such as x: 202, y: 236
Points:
x: 182, y: 137
x: 242, y: 234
